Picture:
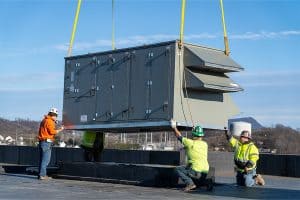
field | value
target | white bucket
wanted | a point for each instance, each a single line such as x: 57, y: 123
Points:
x: 236, y: 128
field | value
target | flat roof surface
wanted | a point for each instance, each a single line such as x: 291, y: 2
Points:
x: 18, y: 186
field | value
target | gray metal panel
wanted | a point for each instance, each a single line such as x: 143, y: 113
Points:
x: 139, y: 94
x: 83, y: 95
x: 130, y: 126
x: 86, y: 85
x: 104, y: 90
x: 200, y: 80
x: 160, y: 63
x: 69, y: 118
x: 210, y: 110
x: 208, y: 58
x: 120, y: 86
x: 69, y: 79
x: 126, y: 89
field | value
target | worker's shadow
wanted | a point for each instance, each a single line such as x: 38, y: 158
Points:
x: 231, y: 190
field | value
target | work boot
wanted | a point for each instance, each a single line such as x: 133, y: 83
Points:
x: 189, y: 187
x: 209, y: 185
x: 259, y: 180
x: 44, y: 178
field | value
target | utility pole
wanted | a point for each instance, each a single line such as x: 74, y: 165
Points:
x: 165, y: 138
x: 73, y: 134
x: 146, y: 139
x: 16, y: 139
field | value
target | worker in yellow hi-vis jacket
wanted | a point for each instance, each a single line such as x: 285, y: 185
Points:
x: 93, y: 145
x: 245, y: 159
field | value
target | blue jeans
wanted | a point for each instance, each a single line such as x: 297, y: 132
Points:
x: 45, y: 156
x: 246, y: 179
x: 186, y: 174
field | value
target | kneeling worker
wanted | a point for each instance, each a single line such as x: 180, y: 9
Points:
x: 196, y: 150
x: 93, y: 145
x: 245, y: 158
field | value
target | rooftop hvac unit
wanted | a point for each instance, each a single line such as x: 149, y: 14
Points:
x: 142, y: 88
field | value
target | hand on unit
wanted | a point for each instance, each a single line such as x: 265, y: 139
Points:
x: 173, y: 124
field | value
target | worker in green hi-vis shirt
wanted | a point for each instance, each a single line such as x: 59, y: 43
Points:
x: 93, y: 145
x: 196, y: 150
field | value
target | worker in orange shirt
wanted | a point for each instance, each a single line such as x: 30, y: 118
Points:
x: 47, y: 131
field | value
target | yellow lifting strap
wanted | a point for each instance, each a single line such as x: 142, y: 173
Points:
x: 113, y: 25
x: 74, y: 28
x: 182, y: 23
x: 224, y: 29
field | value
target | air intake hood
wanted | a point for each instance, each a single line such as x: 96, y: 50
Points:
x: 205, y: 58
x: 210, y: 81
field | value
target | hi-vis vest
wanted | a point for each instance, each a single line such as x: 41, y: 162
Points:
x: 88, y: 139
x: 244, y: 153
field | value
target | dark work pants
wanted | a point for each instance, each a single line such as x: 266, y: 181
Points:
x: 187, y: 174
x: 94, y: 153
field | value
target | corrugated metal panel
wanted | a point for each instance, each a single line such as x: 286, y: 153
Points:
x: 210, y: 59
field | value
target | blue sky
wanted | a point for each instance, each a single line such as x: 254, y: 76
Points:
x: 264, y: 37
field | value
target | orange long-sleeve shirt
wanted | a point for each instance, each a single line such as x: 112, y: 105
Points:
x: 47, y: 129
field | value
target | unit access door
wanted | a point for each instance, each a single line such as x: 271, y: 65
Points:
x: 160, y: 66
x: 69, y: 117
x: 104, y: 89
x: 138, y: 91
x: 79, y: 97
x: 120, y: 86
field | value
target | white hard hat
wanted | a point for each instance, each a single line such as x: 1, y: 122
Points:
x: 53, y: 110
x: 246, y: 134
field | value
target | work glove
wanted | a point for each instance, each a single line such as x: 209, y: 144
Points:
x: 173, y: 124
x: 227, y: 133
x: 249, y: 164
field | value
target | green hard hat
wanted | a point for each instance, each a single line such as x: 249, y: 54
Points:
x: 198, y: 131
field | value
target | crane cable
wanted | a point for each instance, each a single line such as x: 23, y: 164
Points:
x: 180, y: 44
x: 182, y: 23
x: 227, y: 51
x: 113, y: 25
x: 181, y: 54
x: 181, y: 36
x: 181, y: 41
x: 74, y: 28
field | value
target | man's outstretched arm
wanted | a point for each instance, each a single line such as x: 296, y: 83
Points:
x: 176, y: 131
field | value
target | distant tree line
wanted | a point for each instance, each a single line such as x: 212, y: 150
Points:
x: 279, y: 139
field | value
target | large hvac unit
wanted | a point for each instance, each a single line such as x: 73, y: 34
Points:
x: 142, y: 88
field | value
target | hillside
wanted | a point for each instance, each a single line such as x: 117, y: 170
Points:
x: 280, y: 139
x: 19, y: 126
x: 254, y: 123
